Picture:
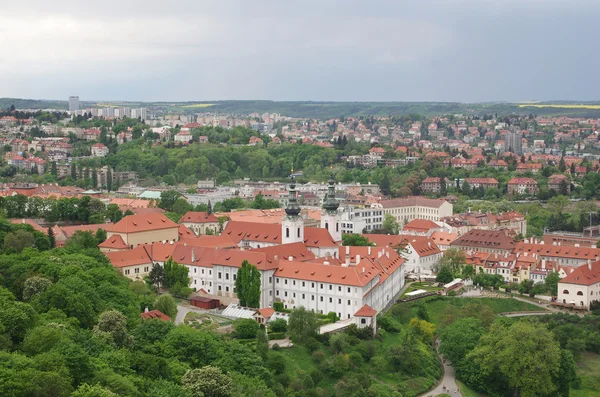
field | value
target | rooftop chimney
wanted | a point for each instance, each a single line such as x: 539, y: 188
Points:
x: 276, y: 257
x: 326, y: 263
x: 576, y: 245
x: 291, y: 258
x: 146, y: 310
x: 543, y: 264
x: 369, y: 250
x: 357, y: 259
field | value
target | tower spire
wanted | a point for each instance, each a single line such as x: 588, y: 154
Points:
x: 330, y: 205
x: 292, y: 209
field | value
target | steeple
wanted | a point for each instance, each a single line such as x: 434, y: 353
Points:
x: 209, y: 210
x: 330, y: 205
x: 292, y: 209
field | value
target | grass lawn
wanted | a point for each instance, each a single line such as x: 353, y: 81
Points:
x: 466, y: 391
x: 424, y: 285
x: 436, y: 306
x: 588, y: 368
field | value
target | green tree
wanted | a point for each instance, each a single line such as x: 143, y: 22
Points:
x: 100, y: 235
x: 390, y: 225
x: 526, y: 355
x: 168, y: 199
x: 86, y: 390
x: 460, y: 338
x: 355, y: 240
x: 207, y: 382
x: 81, y: 240
x: 18, y: 240
x: 551, y: 282
x: 166, y: 304
x: 112, y: 327
x: 444, y: 275
x: 248, y: 285
x: 262, y: 343
x: 302, y: 325
x: 34, y: 286
x: 51, y: 237
x: 175, y: 273
x: 156, y: 276
x: 246, y: 328
x: 279, y: 325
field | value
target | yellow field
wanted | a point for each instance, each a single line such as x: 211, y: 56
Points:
x: 559, y: 106
x: 199, y: 105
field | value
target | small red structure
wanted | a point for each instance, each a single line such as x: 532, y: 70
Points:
x: 205, y: 303
x: 150, y: 314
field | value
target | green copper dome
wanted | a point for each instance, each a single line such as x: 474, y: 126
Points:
x: 331, y: 204
x: 292, y: 209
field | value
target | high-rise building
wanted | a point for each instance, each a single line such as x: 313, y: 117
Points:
x: 73, y: 103
x: 513, y: 142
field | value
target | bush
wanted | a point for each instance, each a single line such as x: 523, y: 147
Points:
x: 278, y: 306
x: 246, y: 328
x: 388, y: 323
x: 276, y: 363
x: 279, y: 325
x: 276, y: 335
x: 276, y: 347
x: 333, y: 317
x: 356, y: 359
x: 451, y: 293
x: 318, y: 356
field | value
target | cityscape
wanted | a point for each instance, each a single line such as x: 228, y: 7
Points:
x: 407, y: 232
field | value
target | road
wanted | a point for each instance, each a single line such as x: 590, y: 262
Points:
x: 182, y: 311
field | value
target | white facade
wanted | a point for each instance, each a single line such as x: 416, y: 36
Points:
x: 418, y: 264
x: 580, y: 295
x: 73, y: 103
x: 355, y: 220
x: 292, y: 229
x: 331, y: 222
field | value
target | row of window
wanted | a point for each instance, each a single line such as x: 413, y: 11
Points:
x: 312, y: 298
x: 312, y: 285
x: 136, y: 270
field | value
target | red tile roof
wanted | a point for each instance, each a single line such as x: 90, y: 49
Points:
x: 366, y: 311
x: 142, y: 223
x: 155, y: 314
x: 584, y: 275
x: 421, y: 225
x: 412, y: 201
x: 489, y: 239
x: 198, y: 217
x: 114, y: 242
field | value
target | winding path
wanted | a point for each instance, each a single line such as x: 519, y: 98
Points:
x: 448, y: 380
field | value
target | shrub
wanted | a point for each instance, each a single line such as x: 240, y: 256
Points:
x: 452, y: 293
x: 279, y: 325
x: 276, y: 335
x: 246, y: 328
x: 388, y: 323
x: 276, y: 347
x: 333, y: 317
x: 276, y: 363
x: 278, y: 306
x: 318, y: 356
x: 356, y: 359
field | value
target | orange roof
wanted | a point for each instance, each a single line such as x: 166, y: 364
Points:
x: 198, y: 217
x: 115, y: 242
x: 184, y: 232
x: 422, y: 225
x: 29, y: 222
x: 271, y: 233
x: 390, y: 240
x: 425, y: 247
x: 560, y: 251
x: 366, y: 311
x: 443, y: 237
x: 584, y: 275
x: 235, y: 258
x: 209, y: 241
x: 297, y: 251
x: 267, y: 312
x: 353, y: 275
x: 155, y: 314
x: 142, y: 223
x: 318, y: 237
x: 136, y: 256
x: 133, y: 203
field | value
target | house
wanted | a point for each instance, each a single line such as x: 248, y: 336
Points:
x: 420, y: 256
x: 420, y: 227
x: 200, y: 222
x: 562, y: 255
x: 557, y: 182
x: 134, y: 263
x: 581, y: 287
x: 409, y: 208
x: 534, y: 168
x: 154, y: 314
x: 144, y: 229
x: 522, y: 186
x: 485, y: 183
x: 99, y: 150
x: 183, y: 137
x: 492, y: 241
x: 434, y: 184
x: 365, y: 317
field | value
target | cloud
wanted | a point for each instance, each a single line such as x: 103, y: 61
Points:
x: 463, y: 50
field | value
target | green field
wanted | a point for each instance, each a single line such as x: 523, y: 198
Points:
x: 427, y: 286
x: 436, y: 306
x: 588, y: 368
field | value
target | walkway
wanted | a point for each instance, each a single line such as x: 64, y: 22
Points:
x: 448, y: 380
x: 183, y: 310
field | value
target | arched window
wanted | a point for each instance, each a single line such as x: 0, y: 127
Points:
x: 581, y: 303
x: 337, y: 227
x: 566, y: 292
x: 579, y: 293
x: 298, y: 232
x: 363, y: 320
x: 327, y: 225
x: 287, y: 232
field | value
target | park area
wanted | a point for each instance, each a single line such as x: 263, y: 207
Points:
x: 208, y: 321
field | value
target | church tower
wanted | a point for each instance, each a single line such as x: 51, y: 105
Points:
x: 330, y: 218
x: 292, y: 226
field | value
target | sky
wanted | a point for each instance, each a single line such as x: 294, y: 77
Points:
x: 321, y: 50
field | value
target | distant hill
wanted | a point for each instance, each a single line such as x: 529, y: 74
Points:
x: 325, y: 110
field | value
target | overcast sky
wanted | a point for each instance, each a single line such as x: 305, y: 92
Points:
x: 350, y: 50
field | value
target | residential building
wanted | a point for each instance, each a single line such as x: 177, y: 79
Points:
x: 421, y: 255
x: 434, y: 184
x: 99, y: 150
x: 409, y: 208
x: 492, y: 241
x: 513, y: 142
x: 73, y: 103
x: 581, y: 287
x: 557, y: 182
x: 522, y: 186
x: 485, y: 183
